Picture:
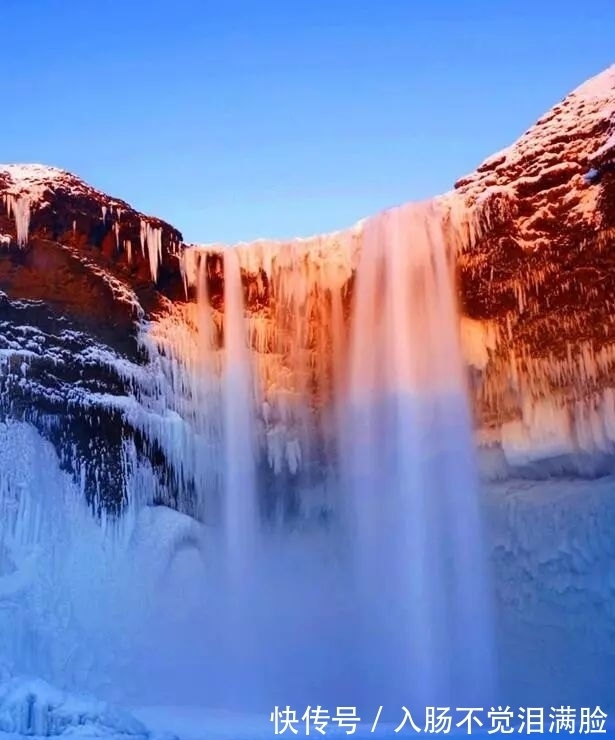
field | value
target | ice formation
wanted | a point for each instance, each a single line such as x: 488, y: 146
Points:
x: 299, y: 321
x: 151, y: 240
x: 27, y: 188
x: 19, y: 208
x: 257, y: 411
x: 298, y: 295
x: 33, y: 707
x: 556, y: 408
x: 307, y: 406
x: 316, y: 441
x: 250, y: 415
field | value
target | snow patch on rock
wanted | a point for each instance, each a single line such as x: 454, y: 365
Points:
x: 581, y: 126
x: 36, y: 181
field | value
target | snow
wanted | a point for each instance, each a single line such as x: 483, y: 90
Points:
x: 32, y: 707
x: 22, y: 346
x: 536, y: 156
x: 27, y: 187
x: 116, y: 606
x: 34, y: 179
x: 121, y: 612
x: 197, y: 723
x: 553, y: 551
x: 607, y: 148
x: 595, y: 97
x: 553, y: 407
x: 74, y: 616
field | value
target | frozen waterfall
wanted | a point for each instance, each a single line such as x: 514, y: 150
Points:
x: 327, y: 545
x: 313, y: 454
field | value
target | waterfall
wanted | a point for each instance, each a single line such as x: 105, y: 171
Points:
x: 328, y: 548
x: 408, y: 474
x: 240, y: 499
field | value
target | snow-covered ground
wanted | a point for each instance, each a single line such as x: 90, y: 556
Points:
x: 123, y: 611
x: 33, y: 709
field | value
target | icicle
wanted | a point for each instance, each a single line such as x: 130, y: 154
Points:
x: 297, y: 324
x: 19, y: 208
x: 151, y: 237
x: 104, y: 214
x: 143, y: 235
x: 116, y: 229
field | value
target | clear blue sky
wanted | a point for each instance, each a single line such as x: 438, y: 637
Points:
x: 239, y: 119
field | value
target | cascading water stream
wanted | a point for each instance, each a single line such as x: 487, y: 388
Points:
x: 407, y: 467
x: 241, y: 518
x: 381, y: 601
x: 240, y: 514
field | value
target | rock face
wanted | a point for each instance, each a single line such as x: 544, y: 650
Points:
x: 539, y: 279
x: 46, y: 204
x: 96, y: 298
x: 535, y: 233
x: 79, y: 271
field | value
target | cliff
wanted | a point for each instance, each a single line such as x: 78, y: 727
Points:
x: 534, y: 232
x: 79, y: 273
x: 539, y: 279
x: 99, y: 302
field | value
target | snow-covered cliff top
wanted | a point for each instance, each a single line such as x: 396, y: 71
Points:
x: 552, y: 159
x: 57, y: 205
x: 35, y: 181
